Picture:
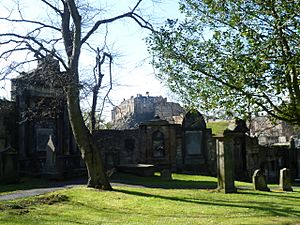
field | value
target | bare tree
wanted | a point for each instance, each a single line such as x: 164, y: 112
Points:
x: 72, y: 34
x: 98, y: 78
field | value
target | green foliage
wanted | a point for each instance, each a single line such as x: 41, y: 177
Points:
x: 100, y: 123
x: 218, y: 127
x: 138, y: 205
x: 233, y: 57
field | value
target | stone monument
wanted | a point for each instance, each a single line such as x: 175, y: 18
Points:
x: 225, y: 165
x: 285, y: 180
x: 259, y: 181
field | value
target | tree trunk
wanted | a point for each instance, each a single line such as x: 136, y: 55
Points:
x: 90, y: 154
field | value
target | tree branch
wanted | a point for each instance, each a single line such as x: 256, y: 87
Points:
x: 76, y: 35
x: 65, y: 30
x: 130, y: 14
x: 30, y: 21
x: 52, y: 7
x: 105, y: 21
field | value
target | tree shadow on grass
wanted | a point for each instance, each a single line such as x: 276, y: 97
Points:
x: 272, y: 208
x: 274, y: 193
x: 157, y: 182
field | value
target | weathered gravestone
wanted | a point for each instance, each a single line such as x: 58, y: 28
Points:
x: 285, y: 183
x: 225, y: 165
x: 51, y: 169
x: 50, y: 154
x: 259, y: 181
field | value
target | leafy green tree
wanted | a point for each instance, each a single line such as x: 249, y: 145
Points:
x: 233, y: 56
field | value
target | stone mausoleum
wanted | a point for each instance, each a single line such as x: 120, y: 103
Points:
x: 43, y: 137
x: 36, y: 137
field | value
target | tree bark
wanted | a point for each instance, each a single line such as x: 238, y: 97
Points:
x: 89, y: 152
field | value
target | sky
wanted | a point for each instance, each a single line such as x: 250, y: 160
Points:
x: 132, y: 73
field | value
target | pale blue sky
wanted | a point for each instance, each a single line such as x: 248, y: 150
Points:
x: 132, y: 72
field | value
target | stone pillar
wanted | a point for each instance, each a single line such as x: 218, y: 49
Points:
x: 225, y: 165
x: 285, y: 183
x: 259, y: 181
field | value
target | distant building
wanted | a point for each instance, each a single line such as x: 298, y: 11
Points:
x: 271, y: 132
x: 131, y: 112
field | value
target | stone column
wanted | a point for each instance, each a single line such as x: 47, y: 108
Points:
x: 285, y: 183
x: 225, y: 165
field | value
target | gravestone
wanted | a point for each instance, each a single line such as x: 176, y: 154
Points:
x: 50, y: 154
x: 225, y: 165
x: 166, y: 174
x: 194, y: 142
x: 259, y: 181
x: 285, y: 183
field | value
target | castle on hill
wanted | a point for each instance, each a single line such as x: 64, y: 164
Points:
x: 131, y: 112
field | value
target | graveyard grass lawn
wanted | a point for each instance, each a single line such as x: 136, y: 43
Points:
x: 138, y: 205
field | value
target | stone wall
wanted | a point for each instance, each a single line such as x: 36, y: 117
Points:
x: 8, y: 153
x: 250, y: 156
x: 118, y: 146
x: 156, y: 142
x: 7, y: 124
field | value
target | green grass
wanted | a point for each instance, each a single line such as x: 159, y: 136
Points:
x: 155, y: 205
x: 218, y: 127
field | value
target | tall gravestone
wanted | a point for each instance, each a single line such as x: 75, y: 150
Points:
x: 225, y: 165
x: 285, y: 183
x: 194, y: 142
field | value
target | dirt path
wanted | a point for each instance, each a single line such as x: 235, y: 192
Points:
x: 31, y: 192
